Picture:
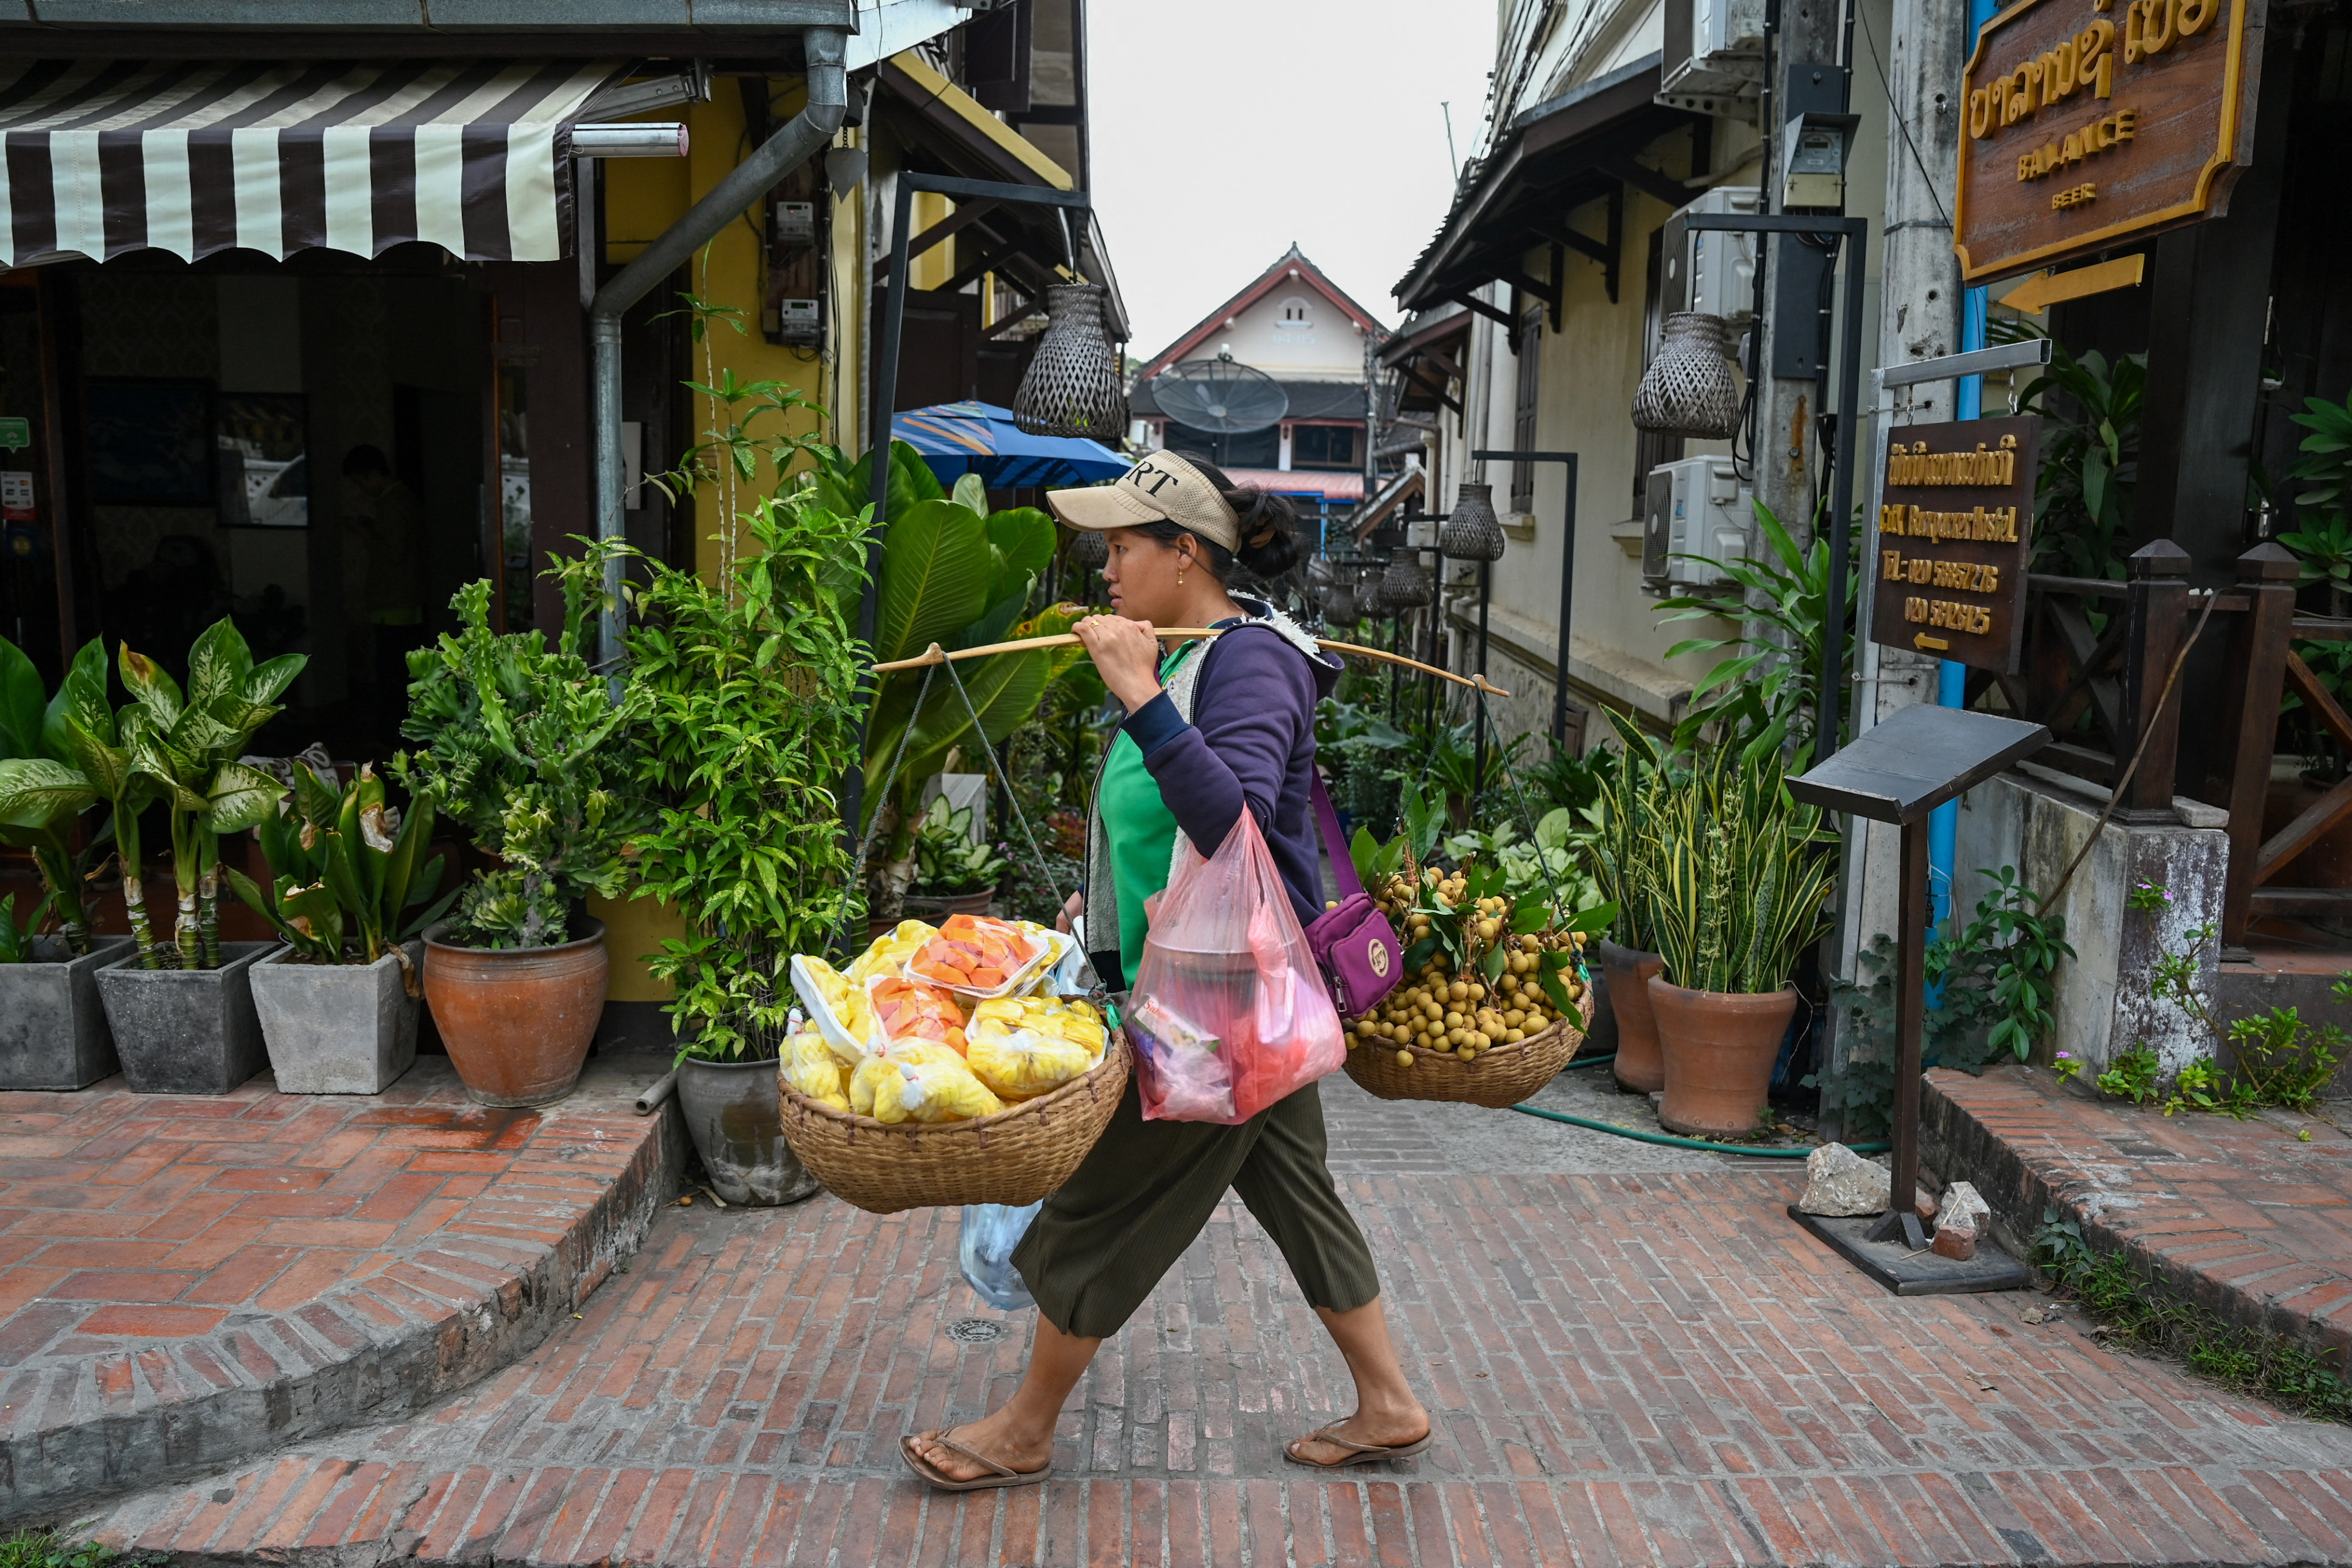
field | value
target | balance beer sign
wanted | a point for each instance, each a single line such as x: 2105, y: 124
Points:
x: 1954, y: 538
x: 2090, y: 123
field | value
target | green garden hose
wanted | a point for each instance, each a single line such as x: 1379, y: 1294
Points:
x: 1668, y: 1139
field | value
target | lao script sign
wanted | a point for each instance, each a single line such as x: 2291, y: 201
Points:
x: 1953, y: 540
x: 2090, y: 123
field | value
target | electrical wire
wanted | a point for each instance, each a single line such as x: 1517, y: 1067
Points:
x: 1895, y: 113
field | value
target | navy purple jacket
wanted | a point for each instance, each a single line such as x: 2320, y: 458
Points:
x: 1233, y: 728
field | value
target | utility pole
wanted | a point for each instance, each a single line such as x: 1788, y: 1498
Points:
x: 1919, y: 319
x: 1794, y: 351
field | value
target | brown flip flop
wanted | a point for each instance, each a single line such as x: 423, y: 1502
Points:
x: 1357, y: 1453
x: 945, y: 1439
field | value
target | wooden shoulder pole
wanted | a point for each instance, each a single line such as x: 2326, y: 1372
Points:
x: 935, y: 654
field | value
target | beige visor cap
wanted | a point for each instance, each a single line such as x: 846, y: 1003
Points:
x: 1163, y: 485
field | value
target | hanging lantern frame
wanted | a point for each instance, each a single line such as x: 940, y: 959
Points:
x: 1075, y: 207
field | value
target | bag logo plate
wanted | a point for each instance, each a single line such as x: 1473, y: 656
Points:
x: 1378, y: 954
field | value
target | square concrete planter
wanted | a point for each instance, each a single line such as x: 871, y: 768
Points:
x: 336, y: 1028
x: 53, y: 1033
x: 186, y: 1031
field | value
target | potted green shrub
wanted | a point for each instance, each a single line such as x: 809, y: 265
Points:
x: 956, y: 870
x: 182, y: 1011
x: 522, y: 746
x: 1624, y: 852
x: 1739, y: 873
x: 350, y: 890
x: 53, y: 1030
x: 747, y: 693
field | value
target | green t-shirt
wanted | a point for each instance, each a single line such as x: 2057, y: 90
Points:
x: 1141, y: 831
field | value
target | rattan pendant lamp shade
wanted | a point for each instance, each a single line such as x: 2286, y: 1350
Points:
x: 1404, y: 586
x: 1688, y: 388
x: 1088, y: 550
x: 1073, y: 386
x: 1472, y: 531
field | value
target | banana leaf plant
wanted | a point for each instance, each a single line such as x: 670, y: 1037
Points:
x: 43, y: 795
x: 347, y: 873
x: 959, y: 575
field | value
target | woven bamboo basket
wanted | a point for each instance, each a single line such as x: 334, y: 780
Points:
x: 1501, y: 1076
x: 1015, y: 1157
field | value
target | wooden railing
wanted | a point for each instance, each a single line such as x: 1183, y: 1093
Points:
x: 2118, y: 672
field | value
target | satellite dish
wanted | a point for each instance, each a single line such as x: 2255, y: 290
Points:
x: 1220, y: 396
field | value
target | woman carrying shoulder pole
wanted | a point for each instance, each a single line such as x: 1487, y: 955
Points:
x: 1211, y: 730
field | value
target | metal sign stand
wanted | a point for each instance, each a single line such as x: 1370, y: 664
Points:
x: 1899, y: 772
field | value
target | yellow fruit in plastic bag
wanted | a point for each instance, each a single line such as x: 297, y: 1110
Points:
x: 865, y: 1081
x: 885, y: 954
x: 849, y: 1012
x: 811, y: 1067
x: 1021, y: 1047
x: 931, y: 1084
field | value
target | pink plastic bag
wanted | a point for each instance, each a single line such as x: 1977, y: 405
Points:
x: 1228, y: 1013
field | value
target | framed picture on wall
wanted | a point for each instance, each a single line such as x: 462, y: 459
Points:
x: 150, y: 443
x: 262, y: 460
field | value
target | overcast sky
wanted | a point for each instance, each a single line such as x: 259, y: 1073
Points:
x: 1223, y: 129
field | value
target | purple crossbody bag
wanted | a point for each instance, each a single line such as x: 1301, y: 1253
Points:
x: 1357, y: 948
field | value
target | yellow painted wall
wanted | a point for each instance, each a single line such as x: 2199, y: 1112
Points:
x: 634, y: 928
x: 643, y: 197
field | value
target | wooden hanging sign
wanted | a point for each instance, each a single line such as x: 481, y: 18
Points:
x: 2090, y: 123
x: 1954, y: 540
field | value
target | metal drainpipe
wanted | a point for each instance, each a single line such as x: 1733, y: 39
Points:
x: 828, y: 99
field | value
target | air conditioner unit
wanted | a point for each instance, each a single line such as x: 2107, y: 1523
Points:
x: 1696, y: 507
x: 1713, y: 270
x: 1713, y: 57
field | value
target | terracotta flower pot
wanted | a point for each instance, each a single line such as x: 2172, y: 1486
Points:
x: 1719, y: 1048
x: 518, y: 1021
x: 1628, y: 970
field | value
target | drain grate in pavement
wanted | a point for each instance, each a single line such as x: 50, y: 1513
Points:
x: 975, y: 1331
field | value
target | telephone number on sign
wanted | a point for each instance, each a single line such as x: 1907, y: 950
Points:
x: 1971, y: 618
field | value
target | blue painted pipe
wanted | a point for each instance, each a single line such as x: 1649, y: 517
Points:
x: 1951, y: 677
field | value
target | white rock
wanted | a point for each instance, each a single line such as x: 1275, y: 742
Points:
x: 1963, y: 1205
x: 1840, y: 1182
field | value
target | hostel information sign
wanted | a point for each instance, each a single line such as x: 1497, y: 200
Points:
x: 2088, y: 123
x: 1954, y: 534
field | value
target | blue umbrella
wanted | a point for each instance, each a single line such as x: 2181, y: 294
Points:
x: 959, y: 438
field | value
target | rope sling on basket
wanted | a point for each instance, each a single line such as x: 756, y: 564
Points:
x: 1014, y: 1156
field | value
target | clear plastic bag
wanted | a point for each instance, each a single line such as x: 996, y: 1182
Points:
x: 1021, y: 1047
x: 991, y: 1232
x: 1229, y: 1013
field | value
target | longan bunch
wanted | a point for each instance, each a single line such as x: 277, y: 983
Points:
x: 1461, y: 1014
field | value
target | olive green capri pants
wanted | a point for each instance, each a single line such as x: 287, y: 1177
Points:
x: 1148, y: 1188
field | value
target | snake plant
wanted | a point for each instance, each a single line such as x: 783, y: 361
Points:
x: 1737, y: 872
x: 1624, y: 850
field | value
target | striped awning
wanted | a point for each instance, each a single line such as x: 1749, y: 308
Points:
x: 192, y: 157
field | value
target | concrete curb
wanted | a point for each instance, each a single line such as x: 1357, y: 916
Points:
x: 485, y: 1289
x: 2020, y: 1185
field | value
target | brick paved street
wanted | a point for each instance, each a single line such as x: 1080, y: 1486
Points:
x: 1645, y: 1367
x: 187, y: 1280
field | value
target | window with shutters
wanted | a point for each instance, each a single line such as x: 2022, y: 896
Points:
x: 1523, y: 408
